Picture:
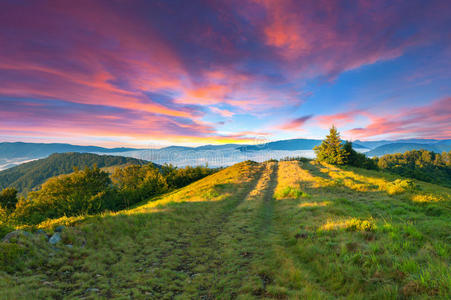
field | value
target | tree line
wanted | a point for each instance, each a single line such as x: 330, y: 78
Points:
x: 92, y: 190
x: 419, y: 164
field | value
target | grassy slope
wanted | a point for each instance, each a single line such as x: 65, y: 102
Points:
x: 273, y: 230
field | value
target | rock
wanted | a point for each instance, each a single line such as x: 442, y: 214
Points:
x: 55, y: 238
x: 59, y: 228
x: 69, y: 246
x: 92, y: 290
x: 40, y: 231
x: 15, y: 234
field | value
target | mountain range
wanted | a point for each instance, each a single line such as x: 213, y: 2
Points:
x: 12, y: 154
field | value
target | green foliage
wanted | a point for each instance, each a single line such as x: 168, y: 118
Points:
x: 8, y: 198
x: 29, y: 176
x: 357, y: 159
x: 137, y: 183
x: 331, y: 149
x: 420, y: 164
x: 92, y: 191
x: 4, y: 226
x: 81, y: 192
x: 179, y: 177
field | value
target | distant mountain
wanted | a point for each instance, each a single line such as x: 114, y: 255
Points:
x: 16, y: 153
x: 17, y: 149
x: 12, y: 154
x: 375, y: 144
x: 294, y: 144
x: 31, y: 175
x: 392, y: 148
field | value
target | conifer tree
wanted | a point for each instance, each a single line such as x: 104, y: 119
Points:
x: 331, y: 149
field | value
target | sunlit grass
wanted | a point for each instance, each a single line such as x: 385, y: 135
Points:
x: 333, y: 233
x: 288, y: 179
x: 315, y: 204
x: 352, y: 224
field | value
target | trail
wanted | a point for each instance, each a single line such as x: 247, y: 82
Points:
x: 243, y: 241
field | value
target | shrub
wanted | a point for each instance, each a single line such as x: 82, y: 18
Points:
x: 400, y: 186
x: 8, y: 198
x: 67, y: 195
x: 92, y: 191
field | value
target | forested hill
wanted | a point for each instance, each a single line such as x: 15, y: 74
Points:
x: 28, y: 176
x: 439, y: 147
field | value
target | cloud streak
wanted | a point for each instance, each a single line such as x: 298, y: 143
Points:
x: 159, y: 69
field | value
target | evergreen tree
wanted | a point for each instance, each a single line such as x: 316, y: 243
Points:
x: 331, y: 149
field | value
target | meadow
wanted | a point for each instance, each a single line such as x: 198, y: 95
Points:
x: 276, y: 230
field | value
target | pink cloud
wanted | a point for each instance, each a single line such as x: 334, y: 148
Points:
x: 429, y: 121
x: 340, y: 119
x: 223, y: 112
x: 326, y: 38
x: 295, y: 124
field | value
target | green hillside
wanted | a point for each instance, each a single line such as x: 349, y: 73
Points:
x: 275, y: 230
x: 438, y: 147
x: 31, y: 175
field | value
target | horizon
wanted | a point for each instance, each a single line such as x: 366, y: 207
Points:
x: 141, y: 74
x: 259, y: 142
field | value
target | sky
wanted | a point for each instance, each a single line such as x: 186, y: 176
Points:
x: 155, y: 73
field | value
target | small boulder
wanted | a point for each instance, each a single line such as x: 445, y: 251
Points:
x: 56, y: 237
x: 41, y: 231
x: 59, y: 228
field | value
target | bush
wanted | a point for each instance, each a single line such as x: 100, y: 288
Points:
x: 78, y: 193
x: 92, y: 191
x: 401, y: 185
x: 8, y: 198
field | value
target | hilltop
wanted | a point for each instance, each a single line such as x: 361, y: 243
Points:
x: 31, y: 175
x: 12, y: 154
x: 281, y: 230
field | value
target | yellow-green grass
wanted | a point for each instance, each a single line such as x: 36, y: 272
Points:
x: 285, y: 230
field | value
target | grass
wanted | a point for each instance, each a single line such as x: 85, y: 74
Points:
x: 285, y: 230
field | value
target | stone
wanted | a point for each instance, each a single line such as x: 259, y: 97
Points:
x: 56, y: 237
x: 59, y: 228
x: 92, y: 290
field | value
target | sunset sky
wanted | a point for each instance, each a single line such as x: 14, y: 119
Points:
x: 154, y: 73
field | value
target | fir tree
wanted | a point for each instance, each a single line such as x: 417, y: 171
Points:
x: 331, y: 149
